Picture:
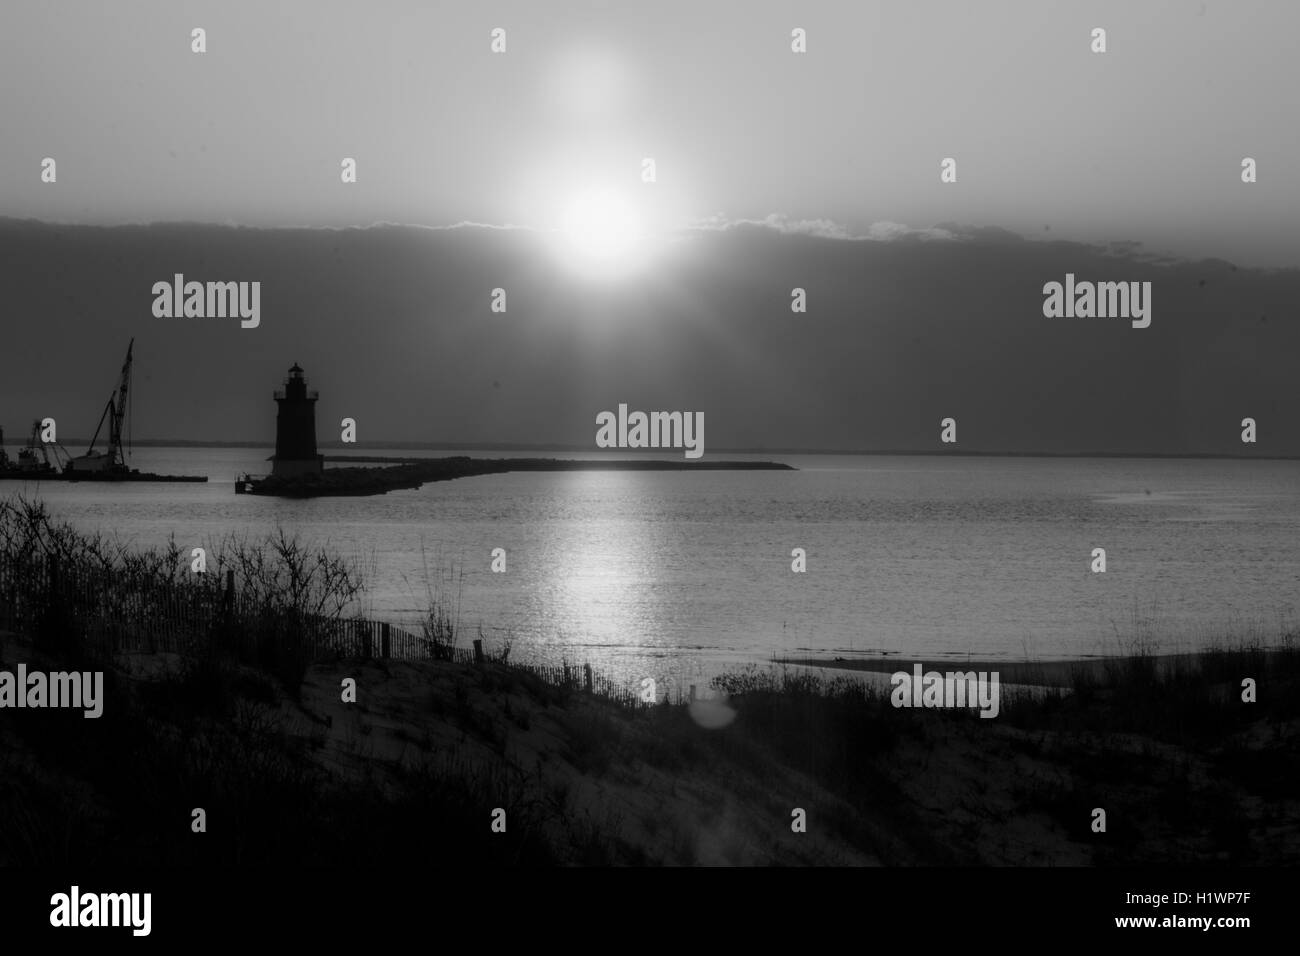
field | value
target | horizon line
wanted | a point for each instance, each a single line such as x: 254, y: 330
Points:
x: 559, y: 447
x: 778, y: 223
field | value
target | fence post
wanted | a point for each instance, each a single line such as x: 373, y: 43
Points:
x: 386, y: 646
x: 52, y: 577
x: 478, y: 650
x: 50, y: 623
x: 586, y: 670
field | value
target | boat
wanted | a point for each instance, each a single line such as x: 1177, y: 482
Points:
x: 35, y: 460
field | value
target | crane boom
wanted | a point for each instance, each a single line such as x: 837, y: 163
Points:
x: 112, y: 460
x: 115, y: 426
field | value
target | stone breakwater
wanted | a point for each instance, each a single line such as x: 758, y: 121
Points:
x: 413, y: 472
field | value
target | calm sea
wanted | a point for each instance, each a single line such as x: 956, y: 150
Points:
x: 677, y: 574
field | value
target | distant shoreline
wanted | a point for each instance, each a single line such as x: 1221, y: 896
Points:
x: 1029, y: 673
x: 586, y: 449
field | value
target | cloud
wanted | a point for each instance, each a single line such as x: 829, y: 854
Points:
x: 884, y: 231
x: 966, y: 233
x: 985, y: 234
x: 463, y: 224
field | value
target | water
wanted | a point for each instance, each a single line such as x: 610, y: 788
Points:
x: 672, y: 574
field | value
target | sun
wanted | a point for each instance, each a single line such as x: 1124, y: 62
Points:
x: 601, y: 234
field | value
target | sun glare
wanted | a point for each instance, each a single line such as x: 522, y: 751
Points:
x: 602, y: 234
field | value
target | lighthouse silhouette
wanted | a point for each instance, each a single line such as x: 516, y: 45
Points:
x: 295, y: 429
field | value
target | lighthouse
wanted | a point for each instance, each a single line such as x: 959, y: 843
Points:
x: 295, y: 429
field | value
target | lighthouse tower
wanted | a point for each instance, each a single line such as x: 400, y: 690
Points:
x: 295, y: 429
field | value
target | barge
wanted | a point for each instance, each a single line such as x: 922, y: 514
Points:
x: 40, y: 459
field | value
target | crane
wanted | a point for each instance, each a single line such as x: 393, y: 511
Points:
x: 112, y: 459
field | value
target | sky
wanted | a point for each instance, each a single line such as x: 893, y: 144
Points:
x: 773, y: 170
x: 1142, y: 143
